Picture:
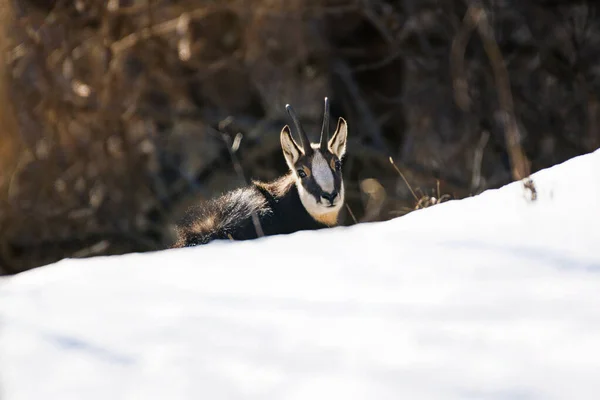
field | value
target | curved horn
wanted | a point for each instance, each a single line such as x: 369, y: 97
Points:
x: 303, y: 138
x: 325, y: 128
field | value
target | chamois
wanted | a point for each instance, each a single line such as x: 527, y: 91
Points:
x: 308, y: 197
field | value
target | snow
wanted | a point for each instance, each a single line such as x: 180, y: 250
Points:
x: 490, y: 297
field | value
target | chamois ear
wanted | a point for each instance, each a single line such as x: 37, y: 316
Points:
x: 337, y: 144
x: 291, y: 150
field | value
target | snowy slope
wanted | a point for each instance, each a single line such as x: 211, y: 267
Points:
x: 489, y: 297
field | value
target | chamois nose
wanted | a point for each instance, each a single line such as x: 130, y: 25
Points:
x: 329, y: 196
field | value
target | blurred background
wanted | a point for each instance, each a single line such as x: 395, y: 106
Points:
x: 116, y: 115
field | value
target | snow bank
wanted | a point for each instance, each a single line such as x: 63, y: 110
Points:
x: 488, y: 297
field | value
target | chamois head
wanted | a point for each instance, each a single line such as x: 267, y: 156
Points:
x: 317, y: 167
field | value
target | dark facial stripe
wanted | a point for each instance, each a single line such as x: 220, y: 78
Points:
x: 311, y: 184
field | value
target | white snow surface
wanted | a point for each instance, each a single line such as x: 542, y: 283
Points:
x: 490, y: 297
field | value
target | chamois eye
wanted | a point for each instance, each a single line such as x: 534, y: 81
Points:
x: 338, y: 165
x: 301, y: 173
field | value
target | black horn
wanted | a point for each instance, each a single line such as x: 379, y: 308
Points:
x: 303, y: 138
x: 325, y: 128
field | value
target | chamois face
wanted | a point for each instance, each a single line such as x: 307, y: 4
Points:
x: 318, y: 169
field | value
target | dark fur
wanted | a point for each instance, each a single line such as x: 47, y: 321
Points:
x: 276, y: 204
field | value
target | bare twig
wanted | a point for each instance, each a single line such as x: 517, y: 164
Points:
x: 376, y: 21
x: 158, y: 29
x: 477, y: 160
x: 366, y: 116
x: 457, y: 61
x: 518, y: 158
x: 92, y: 250
x: 240, y: 171
x: 404, y: 178
x: 477, y: 17
x: 351, y: 213
x: 381, y: 63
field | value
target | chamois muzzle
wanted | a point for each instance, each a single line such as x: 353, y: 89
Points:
x: 330, y: 197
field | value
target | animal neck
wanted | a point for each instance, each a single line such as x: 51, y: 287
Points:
x: 329, y: 219
x: 285, y: 196
x: 279, y: 187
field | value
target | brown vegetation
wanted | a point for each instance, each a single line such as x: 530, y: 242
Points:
x: 116, y: 114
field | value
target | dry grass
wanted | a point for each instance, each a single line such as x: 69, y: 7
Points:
x: 424, y: 200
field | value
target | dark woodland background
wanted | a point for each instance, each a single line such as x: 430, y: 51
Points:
x: 116, y: 114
